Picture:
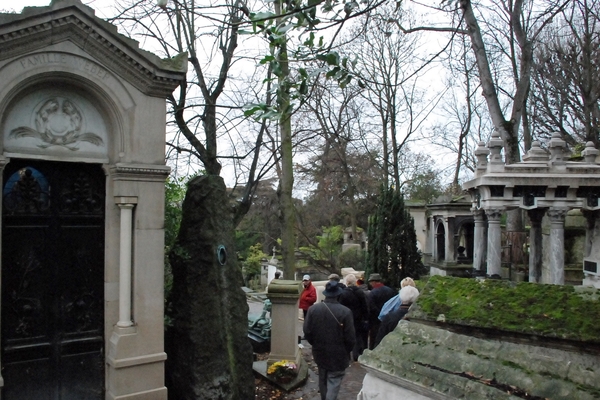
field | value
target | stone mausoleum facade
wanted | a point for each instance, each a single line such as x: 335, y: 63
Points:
x: 82, y: 128
x: 545, y: 183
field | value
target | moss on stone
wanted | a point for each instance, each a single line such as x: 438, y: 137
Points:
x: 564, y: 312
x: 176, y: 63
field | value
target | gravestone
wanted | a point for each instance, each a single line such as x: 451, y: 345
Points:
x: 210, y: 356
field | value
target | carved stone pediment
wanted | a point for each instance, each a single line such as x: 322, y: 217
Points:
x: 47, y: 123
x: 39, y: 27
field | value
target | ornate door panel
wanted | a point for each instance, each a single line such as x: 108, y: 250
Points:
x: 53, y: 281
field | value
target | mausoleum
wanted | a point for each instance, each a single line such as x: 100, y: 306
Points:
x: 82, y: 128
x: 544, y: 183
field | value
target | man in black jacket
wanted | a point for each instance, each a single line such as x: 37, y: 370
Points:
x: 355, y: 299
x: 379, y: 294
x: 329, y: 328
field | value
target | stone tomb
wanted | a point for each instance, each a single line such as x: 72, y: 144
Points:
x: 82, y: 151
x: 445, y: 230
x: 490, y: 339
x: 543, y: 184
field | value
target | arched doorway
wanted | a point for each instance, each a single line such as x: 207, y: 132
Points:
x: 440, y: 242
x: 53, y: 280
x: 465, y: 240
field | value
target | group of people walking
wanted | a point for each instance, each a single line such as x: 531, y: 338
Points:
x: 349, y: 320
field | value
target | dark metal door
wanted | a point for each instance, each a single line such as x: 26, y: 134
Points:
x: 53, y: 281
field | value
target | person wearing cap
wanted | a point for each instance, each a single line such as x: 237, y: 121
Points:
x: 378, y: 296
x: 336, y: 277
x: 329, y: 328
x: 408, y: 295
x: 308, y: 297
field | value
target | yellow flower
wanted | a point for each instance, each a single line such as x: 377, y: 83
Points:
x: 283, y: 368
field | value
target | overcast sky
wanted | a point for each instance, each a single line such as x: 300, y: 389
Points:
x: 98, y: 5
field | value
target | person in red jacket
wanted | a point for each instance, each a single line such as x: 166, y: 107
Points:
x: 308, y: 297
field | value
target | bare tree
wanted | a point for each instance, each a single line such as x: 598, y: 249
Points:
x: 390, y: 66
x: 521, y: 26
x: 503, y: 52
x: 566, y: 87
x: 209, y: 34
x: 296, y: 24
x: 342, y: 164
x: 462, y: 119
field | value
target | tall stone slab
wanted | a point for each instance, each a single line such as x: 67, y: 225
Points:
x: 210, y: 356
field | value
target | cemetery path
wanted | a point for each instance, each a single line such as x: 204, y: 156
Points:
x: 351, y: 385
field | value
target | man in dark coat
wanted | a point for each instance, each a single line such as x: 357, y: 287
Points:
x: 355, y: 299
x: 329, y: 328
x: 378, y: 296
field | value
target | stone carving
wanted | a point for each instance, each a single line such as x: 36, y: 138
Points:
x: 590, y: 153
x: 495, y: 146
x: 493, y: 214
x: 536, y: 153
x: 557, y: 149
x: 482, y: 156
x: 58, y: 123
x: 259, y: 329
x: 557, y: 214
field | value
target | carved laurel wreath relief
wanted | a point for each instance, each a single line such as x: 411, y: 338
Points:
x: 58, y: 123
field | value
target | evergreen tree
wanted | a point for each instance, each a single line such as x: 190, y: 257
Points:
x: 392, y: 251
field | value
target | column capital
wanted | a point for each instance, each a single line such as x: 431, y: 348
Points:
x: 478, y: 214
x: 536, y: 215
x: 493, y: 214
x: 557, y: 214
x: 125, y: 200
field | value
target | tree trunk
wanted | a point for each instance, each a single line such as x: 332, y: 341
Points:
x: 286, y: 181
x: 209, y: 355
x: 508, y: 129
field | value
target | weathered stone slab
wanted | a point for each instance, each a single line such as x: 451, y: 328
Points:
x: 438, y: 363
x: 491, y: 339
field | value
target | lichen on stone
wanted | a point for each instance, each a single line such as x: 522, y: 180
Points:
x: 175, y: 63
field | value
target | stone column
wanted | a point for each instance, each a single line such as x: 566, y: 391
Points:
x: 479, y: 239
x: 557, y: 245
x: 126, y: 204
x: 433, y: 238
x: 494, y: 247
x: 450, y: 241
x: 535, y: 244
x: 284, y: 295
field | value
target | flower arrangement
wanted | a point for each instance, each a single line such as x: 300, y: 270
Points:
x: 283, y: 371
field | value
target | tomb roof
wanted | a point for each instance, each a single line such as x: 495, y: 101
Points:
x: 37, y: 28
